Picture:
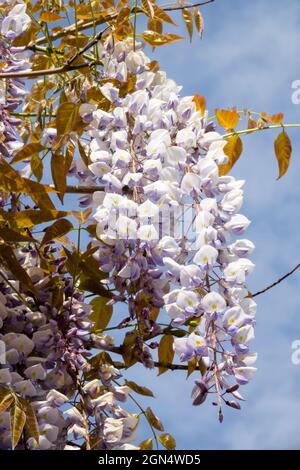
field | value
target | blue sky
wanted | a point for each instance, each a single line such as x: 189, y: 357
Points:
x: 248, y: 57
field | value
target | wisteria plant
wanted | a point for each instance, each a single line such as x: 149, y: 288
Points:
x: 153, y: 248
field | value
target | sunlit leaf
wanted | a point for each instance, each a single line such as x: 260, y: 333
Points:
x: 160, y: 14
x: 31, y: 217
x: 31, y: 424
x: 6, y: 399
x: 36, y: 165
x: 200, y: 103
x: 156, y: 39
x: 165, y: 352
x: 198, y: 18
x: 233, y: 149
x: 57, y: 229
x: 147, y: 444
x: 188, y: 19
x: 139, y: 389
x: 154, y: 420
x: 167, y: 441
x: 26, y: 152
x: 227, y: 118
x: 18, y: 420
x: 283, y: 152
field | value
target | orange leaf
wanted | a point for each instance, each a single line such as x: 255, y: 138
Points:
x: 200, y: 102
x: 283, y: 152
x: 227, y: 118
x: 233, y: 150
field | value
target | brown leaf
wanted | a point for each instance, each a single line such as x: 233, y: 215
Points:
x: 31, y: 424
x: 139, y: 389
x: 9, y: 260
x: 233, y: 150
x: 31, y: 217
x: 154, y: 420
x: 101, y: 313
x: 6, y: 400
x: 49, y: 17
x: 59, y: 175
x: 283, y: 152
x: 57, y: 229
x: 165, y: 352
x: 10, y: 235
x: 37, y: 167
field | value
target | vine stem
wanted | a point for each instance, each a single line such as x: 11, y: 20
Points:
x: 257, y: 129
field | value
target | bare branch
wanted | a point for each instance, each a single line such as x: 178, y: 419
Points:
x: 82, y: 189
x: 276, y: 282
x: 200, y: 4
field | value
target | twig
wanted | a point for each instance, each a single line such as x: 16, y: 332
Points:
x: 82, y: 25
x: 276, y: 282
x: 37, y: 73
x: 81, y: 189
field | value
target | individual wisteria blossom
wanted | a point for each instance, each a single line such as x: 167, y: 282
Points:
x: 155, y: 155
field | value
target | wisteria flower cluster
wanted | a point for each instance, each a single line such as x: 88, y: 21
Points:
x: 44, y: 360
x: 154, y: 154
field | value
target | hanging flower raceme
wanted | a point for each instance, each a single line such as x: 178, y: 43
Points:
x: 13, y: 22
x: 167, y: 221
x: 46, y: 345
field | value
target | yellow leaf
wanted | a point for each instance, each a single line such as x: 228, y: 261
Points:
x: 31, y: 424
x: 156, y: 39
x: 283, y: 152
x: 6, y: 400
x: 67, y: 116
x: 146, y: 445
x: 200, y: 103
x: 160, y: 14
x: 277, y: 118
x: 57, y: 229
x: 148, y: 7
x: 233, y: 150
x: 165, y: 352
x: 128, y: 348
x: 26, y: 152
x: 167, y: 441
x: 10, y: 235
x: 101, y: 313
x: 155, y: 25
x: 154, y: 420
x: 198, y: 18
x: 192, y: 366
x: 18, y: 420
x: 31, y: 217
x: 36, y: 165
x: 188, y: 19
x: 227, y: 118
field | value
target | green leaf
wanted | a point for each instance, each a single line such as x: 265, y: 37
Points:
x: 167, y: 441
x: 139, y: 389
x: 57, y: 229
x: 165, y: 352
x: 28, y: 151
x: 18, y: 420
x: 154, y: 420
x: 101, y: 313
x: 283, y: 152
